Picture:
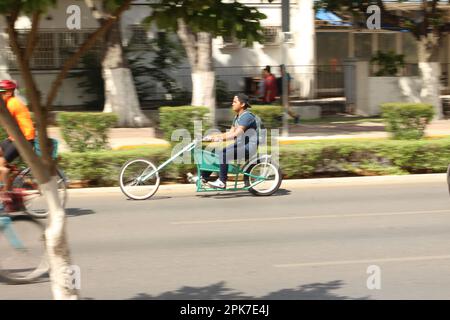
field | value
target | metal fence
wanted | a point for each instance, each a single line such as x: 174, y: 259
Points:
x: 52, y: 49
x: 328, y: 80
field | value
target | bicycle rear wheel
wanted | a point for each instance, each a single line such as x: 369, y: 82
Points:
x: 133, y: 181
x: 22, y: 249
x: 263, y: 178
x: 34, y: 200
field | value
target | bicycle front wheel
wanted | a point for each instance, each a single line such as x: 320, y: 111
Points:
x: 139, y: 179
x: 35, y: 203
x: 22, y: 249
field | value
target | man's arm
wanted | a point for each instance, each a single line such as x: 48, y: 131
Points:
x: 233, y: 133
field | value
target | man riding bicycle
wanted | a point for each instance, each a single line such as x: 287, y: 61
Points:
x: 8, y: 150
x: 244, y: 131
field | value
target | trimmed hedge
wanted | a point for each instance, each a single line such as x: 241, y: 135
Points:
x: 102, y: 168
x: 3, y: 134
x: 86, y: 131
x: 365, y: 158
x: 173, y: 118
x: 271, y: 116
x: 407, y: 120
x: 303, y: 160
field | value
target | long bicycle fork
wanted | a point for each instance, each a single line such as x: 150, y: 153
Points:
x: 189, y: 147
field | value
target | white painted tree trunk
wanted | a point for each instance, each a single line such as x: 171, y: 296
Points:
x: 430, y: 93
x: 430, y: 71
x: 198, y: 48
x: 121, y: 97
x: 120, y: 92
x: 204, y: 90
x: 304, y: 53
x: 57, y: 247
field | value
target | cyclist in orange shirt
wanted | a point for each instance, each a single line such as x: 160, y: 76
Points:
x: 22, y: 116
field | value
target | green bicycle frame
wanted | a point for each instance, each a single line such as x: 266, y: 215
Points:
x: 206, y: 161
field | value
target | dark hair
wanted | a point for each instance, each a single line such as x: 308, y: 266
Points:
x: 267, y: 68
x: 243, y: 98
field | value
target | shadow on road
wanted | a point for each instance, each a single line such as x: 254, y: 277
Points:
x: 76, y: 212
x: 313, y: 291
x: 152, y: 198
x: 241, y: 194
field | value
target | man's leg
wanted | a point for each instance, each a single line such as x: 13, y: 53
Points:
x: 8, y: 154
x: 227, y: 155
x: 206, y: 174
x: 4, y: 173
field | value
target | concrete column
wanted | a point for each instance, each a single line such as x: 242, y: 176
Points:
x: 304, y: 55
x: 351, y: 44
x: 361, y: 88
x: 398, y: 43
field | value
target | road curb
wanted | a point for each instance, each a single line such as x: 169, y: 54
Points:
x: 307, y: 183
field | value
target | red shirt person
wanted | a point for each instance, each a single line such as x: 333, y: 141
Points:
x: 270, y: 86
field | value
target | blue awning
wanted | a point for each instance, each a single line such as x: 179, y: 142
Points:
x: 330, y: 17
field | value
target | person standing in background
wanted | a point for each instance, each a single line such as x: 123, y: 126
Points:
x: 270, y: 86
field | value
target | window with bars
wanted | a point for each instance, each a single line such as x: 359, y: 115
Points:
x: 139, y: 39
x: 271, y: 35
x: 52, y: 49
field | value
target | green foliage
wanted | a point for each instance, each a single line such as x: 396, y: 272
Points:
x: 213, y: 16
x: 86, y: 131
x: 3, y: 134
x: 376, y: 157
x: 154, y: 64
x: 407, y: 120
x: 222, y: 93
x: 102, y: 168
x: 92, y: 80
x: 271, y: 116
x: 419, y: 22
x: 27, y: 6
x: 302, y: 160
x: 388, y: 62
x: 172, y: 118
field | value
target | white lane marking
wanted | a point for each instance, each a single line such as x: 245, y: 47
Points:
x: 328, y: 216
x: 367, y: 261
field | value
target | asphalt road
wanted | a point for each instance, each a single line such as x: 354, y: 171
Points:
x: 313, y: 240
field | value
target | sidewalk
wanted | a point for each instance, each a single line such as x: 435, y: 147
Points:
x: 122, y: 137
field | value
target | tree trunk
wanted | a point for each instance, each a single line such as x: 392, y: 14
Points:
x: 120, y: 92
x: 199, y: 52
x: 203, y: 75
x: 430, y: 72
x: 57, y: 247
x: 43, y: 168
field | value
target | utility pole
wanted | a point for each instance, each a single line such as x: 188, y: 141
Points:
x: 285, y: 27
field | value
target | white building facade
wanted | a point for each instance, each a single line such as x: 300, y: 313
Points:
x: 316, y: 53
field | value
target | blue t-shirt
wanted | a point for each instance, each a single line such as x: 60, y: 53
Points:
x: 249, y: 121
